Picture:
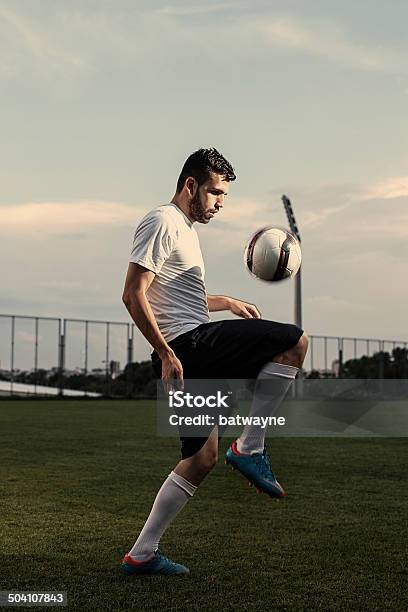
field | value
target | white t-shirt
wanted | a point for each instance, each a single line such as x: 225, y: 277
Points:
x: 166, y: 243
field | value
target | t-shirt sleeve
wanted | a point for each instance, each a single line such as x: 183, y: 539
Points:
x: 153, y: 242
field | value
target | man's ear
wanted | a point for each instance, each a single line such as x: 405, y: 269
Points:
x: 192, y: 186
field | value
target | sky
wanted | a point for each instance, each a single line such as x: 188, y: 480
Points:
x: 102, y: 101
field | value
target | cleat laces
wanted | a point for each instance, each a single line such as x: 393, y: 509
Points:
x: 263, y: 463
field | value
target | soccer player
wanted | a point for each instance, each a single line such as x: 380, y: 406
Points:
x: 166, y: 297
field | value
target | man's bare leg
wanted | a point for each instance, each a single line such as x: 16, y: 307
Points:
x: 195, y: 468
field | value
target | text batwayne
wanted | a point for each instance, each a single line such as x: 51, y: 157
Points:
x: 236, y: 420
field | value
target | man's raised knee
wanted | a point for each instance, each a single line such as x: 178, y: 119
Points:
x: 296, y: 355
x: 298, y: 352
x: 303, y: 343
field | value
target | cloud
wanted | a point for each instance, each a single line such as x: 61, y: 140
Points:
x: 243, y: 212
x: 21, y: 32
x: 187, y: 11
x: 370, y: 209
x: 68, y: 43
x: 376, y: 213
x: 313, y: 219
x: 355, y: 256
x: 328, y: 302
x: 66, y: 217
x: 61, y: 287
x: 327, y: 213
x: 328, y: 41
x: 352, y: 222
x: 394, y: 187
x: 240, y: 217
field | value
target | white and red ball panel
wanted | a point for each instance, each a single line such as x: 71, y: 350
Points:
x: 273, y: 254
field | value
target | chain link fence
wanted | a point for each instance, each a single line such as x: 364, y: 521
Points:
x: 82, y: 357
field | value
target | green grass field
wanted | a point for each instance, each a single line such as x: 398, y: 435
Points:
x: 78, y: 479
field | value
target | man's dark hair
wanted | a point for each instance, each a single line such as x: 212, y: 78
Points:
x: 201, y: 163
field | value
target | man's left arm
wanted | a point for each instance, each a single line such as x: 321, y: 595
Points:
x: 237, y: 307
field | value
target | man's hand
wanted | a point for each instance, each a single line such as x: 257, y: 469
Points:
x: 171, y: 370
x: 244, y: 310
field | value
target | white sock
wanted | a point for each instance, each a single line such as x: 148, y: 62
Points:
x: 172, y: 496
x: 271, y: 386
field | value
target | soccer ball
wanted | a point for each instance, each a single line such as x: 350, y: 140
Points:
x: 273, y: 254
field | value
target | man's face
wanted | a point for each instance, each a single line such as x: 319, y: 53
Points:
x: 208, y: 198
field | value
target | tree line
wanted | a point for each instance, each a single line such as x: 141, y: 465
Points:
x: 138, y: 379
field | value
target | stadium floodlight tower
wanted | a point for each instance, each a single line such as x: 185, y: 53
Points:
x: 298, y: 279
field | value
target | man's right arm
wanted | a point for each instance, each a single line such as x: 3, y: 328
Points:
x: 138, y: 280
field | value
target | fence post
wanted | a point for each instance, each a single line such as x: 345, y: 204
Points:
x: 130, y: 345
x: 86, y: 349
x: 381, y: 364
x: 405, y: 362
x: 340, y: 340
x: 61, y: 356
x: 107, y: 361
x: 13, y: 333
x: 36, y: 355
x: 129, y: 358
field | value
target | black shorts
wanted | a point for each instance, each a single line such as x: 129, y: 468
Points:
x: 231, y: 349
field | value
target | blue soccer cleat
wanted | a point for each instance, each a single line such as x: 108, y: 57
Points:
x: 158, y: 565
x: 257, y: 468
